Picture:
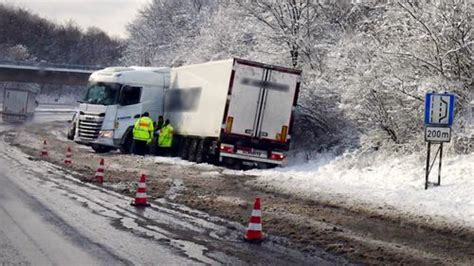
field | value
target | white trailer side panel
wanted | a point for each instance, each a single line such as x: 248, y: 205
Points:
x: 197, y: 97
x: 15, y: 102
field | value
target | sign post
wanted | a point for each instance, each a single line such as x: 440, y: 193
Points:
x: 439, y: 116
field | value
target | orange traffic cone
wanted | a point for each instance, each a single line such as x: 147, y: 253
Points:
x: 254, y: 231
x: 44, y: 151
x: 68, y: 160
x: 99, y: 174
x: 140, y: 197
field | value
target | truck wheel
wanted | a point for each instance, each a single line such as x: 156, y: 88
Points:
x: 126, y: 146
x: 153, y: 147
x: 232, y: 163
x: 70, y: 133
x: 201, y: 151
x: 183, y: 148
x: 264, y: 166
x: 101, y: 149
x: 192, y: 150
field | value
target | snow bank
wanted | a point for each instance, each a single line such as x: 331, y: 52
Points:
x: 382, y: 182
x: 181, y: 162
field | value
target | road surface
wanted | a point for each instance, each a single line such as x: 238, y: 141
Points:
x: 48, y: 217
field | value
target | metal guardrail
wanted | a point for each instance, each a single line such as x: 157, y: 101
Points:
x: 49, y: 65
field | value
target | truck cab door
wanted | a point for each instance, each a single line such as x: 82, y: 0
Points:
x: 129, y: 107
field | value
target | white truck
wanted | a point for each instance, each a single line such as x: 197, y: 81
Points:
x: 233, y: 111
x: 19, y: 103
x: 115, y: 97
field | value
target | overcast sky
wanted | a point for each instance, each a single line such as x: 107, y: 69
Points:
x: 109, y: 15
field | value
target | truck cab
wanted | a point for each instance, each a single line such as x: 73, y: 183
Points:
x: 115, y: 97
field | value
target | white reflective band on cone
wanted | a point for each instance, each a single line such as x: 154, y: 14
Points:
x: 140, y: 195
x: 255, y: 227
x: 257, y: 213
x: 142, y: 185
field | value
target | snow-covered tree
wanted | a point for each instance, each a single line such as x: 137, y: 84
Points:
x: 398, y: 52
x: 366, y: 65
x: 35, y: 38
x: 164, y: 29
x: 16, y: 53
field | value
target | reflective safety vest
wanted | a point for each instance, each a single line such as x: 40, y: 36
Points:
x: 165, y: 139
x: 143, y: 129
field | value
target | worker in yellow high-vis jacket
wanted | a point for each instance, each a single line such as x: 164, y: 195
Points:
x: 142, y: 134
x: 165, y: 139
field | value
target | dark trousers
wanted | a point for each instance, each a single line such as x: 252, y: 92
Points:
x: 139, y: 147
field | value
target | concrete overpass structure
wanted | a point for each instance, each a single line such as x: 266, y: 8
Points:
x: 45, y: 73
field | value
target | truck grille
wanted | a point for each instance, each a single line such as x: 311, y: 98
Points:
x: 89, y: 127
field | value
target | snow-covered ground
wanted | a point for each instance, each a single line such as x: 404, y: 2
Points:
x: 383, y: 183
x: 389, y: 184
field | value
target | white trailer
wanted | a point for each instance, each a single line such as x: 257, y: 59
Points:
x: 236, y: 111
x: 18, y: 104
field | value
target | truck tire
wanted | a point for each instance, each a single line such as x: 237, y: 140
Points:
x: 264, y: 166
x: 70, y: 133
x: 201, y: 151
x: 192, y: 150
x: 126, y: 146
x: 232, y: 163
x: 101, y: 148
x: 153, y: 146
x: 183, y: 148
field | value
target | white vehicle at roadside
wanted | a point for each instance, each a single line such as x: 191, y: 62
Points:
x: 235, y: 111
x: 19, y: 103
x: 115, y: 97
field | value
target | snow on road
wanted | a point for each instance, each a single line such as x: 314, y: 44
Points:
x: 384, y: 183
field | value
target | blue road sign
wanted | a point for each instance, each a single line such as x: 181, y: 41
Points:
x: 439, y: 109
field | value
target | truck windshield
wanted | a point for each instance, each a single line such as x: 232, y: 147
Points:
x: 102, y: 93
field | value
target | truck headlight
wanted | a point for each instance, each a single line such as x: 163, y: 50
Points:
x: 108, y: 134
